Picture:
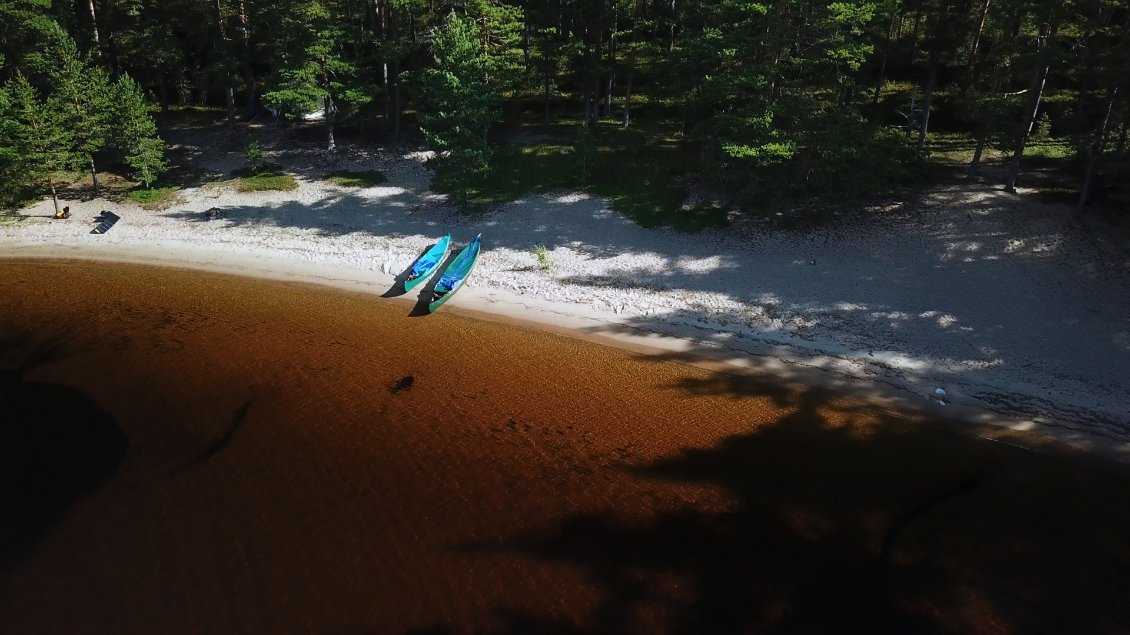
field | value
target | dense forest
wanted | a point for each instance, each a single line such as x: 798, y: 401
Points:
x: 766, y: 101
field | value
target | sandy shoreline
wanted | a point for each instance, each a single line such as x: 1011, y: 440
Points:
x: 1019, y: 320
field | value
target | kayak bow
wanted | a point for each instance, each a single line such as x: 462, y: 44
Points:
x: 427, y: 263
x: 455, y: 275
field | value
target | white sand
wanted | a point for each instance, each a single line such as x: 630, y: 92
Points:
x: 986, y: 295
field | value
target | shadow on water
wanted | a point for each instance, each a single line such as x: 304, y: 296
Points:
x: 56, y: 446
x: 842, y: 523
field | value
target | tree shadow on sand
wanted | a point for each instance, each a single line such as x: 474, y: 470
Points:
x: 954, y: 285
x: 1060, y: 403
x: 844, y: 521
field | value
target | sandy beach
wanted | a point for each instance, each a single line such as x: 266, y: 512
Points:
x: 994, y: 298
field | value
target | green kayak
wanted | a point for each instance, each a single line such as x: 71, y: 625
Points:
x: 455, y: 274
x: 427, y: 263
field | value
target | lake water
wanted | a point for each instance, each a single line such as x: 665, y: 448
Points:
x: 187, y: 452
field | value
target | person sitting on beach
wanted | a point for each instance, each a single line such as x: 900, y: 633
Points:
x: 63, y: 213
x: 213, y: 213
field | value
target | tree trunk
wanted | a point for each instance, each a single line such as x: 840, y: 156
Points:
x: 883, y: 58
x: 526, y: 35
x: 973, y: 49
x: 229, y: 95
x: 163, y: 90
x: 94, y: 176
x: 248, y: 61
x: 249, y: 94
x: 547, y: 87
x: 917, y: 27
x: 94, y: 26
x: 1122, y: 137
x: 628, y: 98
x: 671, y: 33
x: 396, y: 102
x: 387, y: 89
x: 1096, y: 153
x: 928, y: 99
x: 611, y: 63
x: 220, y: 23
x: 54, y: 196
x: 608, y: 96
x: 1043, y: 67
x: 932, y: 79
x: 975, y: 164
x: 328, y: 110
x: 596, y: 76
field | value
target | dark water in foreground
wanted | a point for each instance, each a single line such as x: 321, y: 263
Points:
x: 188, y: 452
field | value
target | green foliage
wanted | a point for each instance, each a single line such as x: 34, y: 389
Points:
x: 33, y: 148
x: 25, y: 25
x: 253, y: 157
x: 81, y: 96
x: 772, y: 94
x: 635, y: 171
x: 134, y: 132
x: 315, y: 68
x: 761, y: 141
x: 154, y: 197
x: 542, y: 255
x: 68, y: 114
x: 835, y: 153
x: 267, y: 183
x: 1043, y: 128
x: 345, y: 178
x: 457, y: 101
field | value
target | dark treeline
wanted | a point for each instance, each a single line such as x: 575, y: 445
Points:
x: 779, y: 97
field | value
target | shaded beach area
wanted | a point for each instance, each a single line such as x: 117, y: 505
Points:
x: 192, y: 452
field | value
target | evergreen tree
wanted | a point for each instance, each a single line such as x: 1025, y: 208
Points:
x: 70, y: 114
x: 79, y: 94
x: 134, y: 133
x: 457, y: 103
x: 774, y: 101
x: 316, y: 69
x: 25, y: 25
x: 36, y: 142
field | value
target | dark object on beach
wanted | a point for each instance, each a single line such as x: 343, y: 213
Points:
x: 213, y: 213
x: 402, y: 384
x: 63, y: 213
x: 105, y: 222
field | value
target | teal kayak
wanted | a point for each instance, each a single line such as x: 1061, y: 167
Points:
x: 427, y: 263
x: 455, y: 274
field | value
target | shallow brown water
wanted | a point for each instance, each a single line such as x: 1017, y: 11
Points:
x: 189, y: 452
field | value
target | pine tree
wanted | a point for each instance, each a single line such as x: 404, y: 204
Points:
x: 79, y: 94
x: 315, y: 68
x: 135, y: 133
x: 457, y: 102
x: 36, y: 143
